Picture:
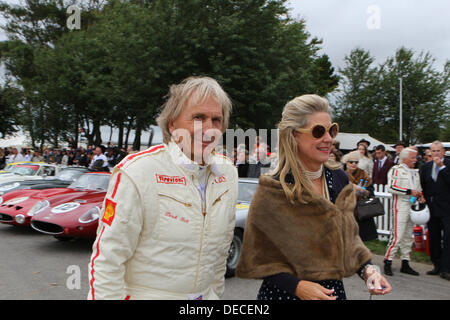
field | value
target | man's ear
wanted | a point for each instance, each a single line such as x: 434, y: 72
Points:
x: 171, y: 126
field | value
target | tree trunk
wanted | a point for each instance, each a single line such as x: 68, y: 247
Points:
x: 150, y: 138
x: 110, y: 135
x: 120, y: 137
x: 137, y: 137
x: 75, y: 128
x: 130, y: 123
x: 97, y: 133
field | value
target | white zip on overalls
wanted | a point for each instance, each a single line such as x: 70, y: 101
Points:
x: 203, y: 230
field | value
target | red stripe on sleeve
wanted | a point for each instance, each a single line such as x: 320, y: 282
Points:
x: 131, y: 156
x: 117, y: 184
x: 92, y: 264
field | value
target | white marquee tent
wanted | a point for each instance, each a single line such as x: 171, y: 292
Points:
x: 348, y: 141
x: 19, y: 140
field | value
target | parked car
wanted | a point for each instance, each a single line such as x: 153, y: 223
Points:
x: 74, y: 214
x: 246, y: 190
x: 18, y: 207
x: 30, y: 171
x: 11, y: 165
x: 62, y: 179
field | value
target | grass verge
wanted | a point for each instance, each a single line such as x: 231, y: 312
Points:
x: 379, y: 247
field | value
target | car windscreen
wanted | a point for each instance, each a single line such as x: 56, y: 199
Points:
x: 93, y: 181
x: 246, y: 191
x: 69, y: 174
x: 25, y: 170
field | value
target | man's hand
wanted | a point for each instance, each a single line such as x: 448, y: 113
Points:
x: 307, y: 290
x: 415, y: 193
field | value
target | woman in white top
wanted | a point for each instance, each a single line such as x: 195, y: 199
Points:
x: 366, y: 161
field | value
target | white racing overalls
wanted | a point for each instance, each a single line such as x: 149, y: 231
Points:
x: 157, y: 238
x: 401, y: 180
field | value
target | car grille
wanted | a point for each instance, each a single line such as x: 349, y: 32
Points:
x: 46, y: 227
x: 5, y: 217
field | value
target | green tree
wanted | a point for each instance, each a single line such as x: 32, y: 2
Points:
x: 118, y: 68
x: 424, y: 96
x: 9, y: 114
x: 357, y: 109
x: 368, y: 99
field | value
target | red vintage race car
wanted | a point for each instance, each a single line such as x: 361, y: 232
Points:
x: 74, y: 214
x: 18, y: 207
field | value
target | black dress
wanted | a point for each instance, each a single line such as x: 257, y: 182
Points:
x: 282, y: 286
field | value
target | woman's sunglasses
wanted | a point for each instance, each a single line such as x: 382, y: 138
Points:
x: 355, y: 162
x: 318, y: 130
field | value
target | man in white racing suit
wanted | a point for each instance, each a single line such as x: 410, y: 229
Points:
x: 403, y: 183
x: 168, y: 216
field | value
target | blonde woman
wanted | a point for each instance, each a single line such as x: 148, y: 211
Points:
x: 366, y: 161
x: 301, y: 236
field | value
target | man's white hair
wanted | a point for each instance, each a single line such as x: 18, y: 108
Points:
x: 405, y: 153
x: 203, y: 87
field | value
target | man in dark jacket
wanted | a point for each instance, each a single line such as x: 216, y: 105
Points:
x: 435, y: 181
x: 381, y: 166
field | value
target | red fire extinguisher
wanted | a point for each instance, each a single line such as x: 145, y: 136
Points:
x: 419, y: 243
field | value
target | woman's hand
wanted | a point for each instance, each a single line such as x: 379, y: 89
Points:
x: 307, y: 290
x: 375, y: 282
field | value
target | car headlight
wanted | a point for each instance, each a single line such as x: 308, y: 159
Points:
x: 1, y: 200
x: 90, y: 215
x: 20, y: 219
x: 38, y: 207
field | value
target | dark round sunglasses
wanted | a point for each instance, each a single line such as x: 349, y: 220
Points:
x: 318, y: 130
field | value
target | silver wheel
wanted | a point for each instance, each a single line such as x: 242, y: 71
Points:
x: 234, y: 252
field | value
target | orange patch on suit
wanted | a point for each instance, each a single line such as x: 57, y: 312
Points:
x: 110, y: 212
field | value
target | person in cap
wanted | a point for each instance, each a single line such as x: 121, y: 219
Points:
x: 362, y: 183
x: 399, y: 146
x: 365, y: 142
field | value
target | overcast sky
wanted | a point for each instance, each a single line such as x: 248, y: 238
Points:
x: 380, y: 26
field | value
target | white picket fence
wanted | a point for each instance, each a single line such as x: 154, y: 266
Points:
x: 384, y: 222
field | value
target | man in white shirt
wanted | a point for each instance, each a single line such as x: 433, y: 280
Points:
x: 15, y: 156
x: 99, y: 156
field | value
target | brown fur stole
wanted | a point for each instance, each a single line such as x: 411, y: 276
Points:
x: 355, y: 177
x: 314, y: 241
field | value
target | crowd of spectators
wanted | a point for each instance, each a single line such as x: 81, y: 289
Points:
x: 70, y: 156
x: 376, y: 161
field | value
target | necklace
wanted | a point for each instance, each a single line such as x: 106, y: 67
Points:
x: 314, y: 175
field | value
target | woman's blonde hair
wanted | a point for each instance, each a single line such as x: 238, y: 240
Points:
x: 179, y: 94
x: 296, y: 114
